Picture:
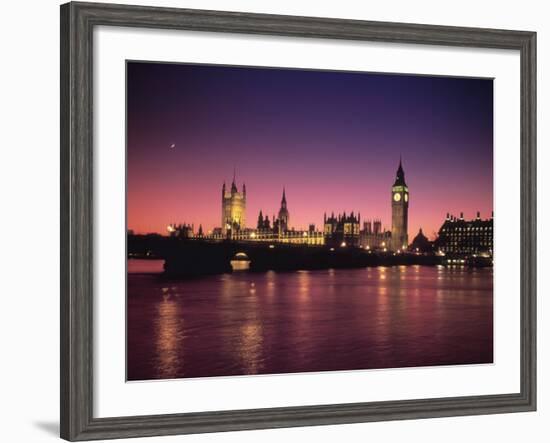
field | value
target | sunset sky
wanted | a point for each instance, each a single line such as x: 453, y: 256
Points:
x: 332, y: 139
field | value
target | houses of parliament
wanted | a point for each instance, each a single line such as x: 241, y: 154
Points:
x: 339, y: 230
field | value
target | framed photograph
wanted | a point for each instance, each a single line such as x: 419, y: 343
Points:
x: 273, y: 221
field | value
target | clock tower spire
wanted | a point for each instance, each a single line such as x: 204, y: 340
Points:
x: 399, y: 211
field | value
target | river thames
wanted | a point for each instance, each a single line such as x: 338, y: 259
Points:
x: 248, y: 323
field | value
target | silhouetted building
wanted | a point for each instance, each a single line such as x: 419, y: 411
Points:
x: 342, y: 230
x: 400, y: 211
x: 182, y: 230
x: 421, y: 243
x: 465, y: 237
x: 283, y: 217
x: 263, y: 222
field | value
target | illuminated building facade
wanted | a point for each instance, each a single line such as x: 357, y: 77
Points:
x: 296, y: 237
x: 465, y: 237
x: 277, y: 231
x: 342, y: 230
x: 399, y: 211
x: 373, y: 236
x: 233, y: 209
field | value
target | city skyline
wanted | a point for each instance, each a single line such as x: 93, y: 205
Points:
x: 332, y: 148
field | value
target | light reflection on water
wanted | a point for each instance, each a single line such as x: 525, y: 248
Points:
x: 169, y: 337
x: 261, y: 323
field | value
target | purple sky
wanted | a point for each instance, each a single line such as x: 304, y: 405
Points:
x: 333, y: 139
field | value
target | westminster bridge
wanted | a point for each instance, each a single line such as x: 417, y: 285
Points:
x: 201, y: 257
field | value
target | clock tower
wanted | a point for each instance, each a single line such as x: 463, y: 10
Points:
x: 399, y: 211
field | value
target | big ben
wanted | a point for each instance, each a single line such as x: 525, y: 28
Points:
x: 399, y: 211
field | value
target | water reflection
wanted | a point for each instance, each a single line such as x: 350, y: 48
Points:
x: 257, y: 323
x: 170, y: 327
x: 250, y: 349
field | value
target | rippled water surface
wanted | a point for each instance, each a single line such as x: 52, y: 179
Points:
x: 264, y: 323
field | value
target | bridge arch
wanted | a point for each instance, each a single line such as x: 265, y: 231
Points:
x: 240, y: 261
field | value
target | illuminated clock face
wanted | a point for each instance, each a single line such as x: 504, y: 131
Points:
x: 397, y: 196
x: 406, y: 197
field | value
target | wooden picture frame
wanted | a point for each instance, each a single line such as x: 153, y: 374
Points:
x: 77, y: 23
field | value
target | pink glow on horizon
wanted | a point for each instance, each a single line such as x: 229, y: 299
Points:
x: 174, y: 198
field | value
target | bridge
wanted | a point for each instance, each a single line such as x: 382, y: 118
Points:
x: 191, y: 258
